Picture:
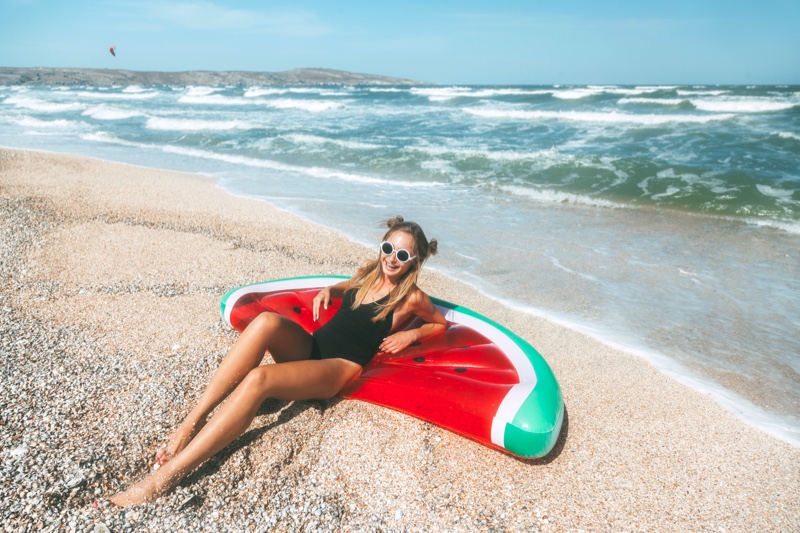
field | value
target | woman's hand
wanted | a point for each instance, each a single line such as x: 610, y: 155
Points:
x: 397, y: 342
x: 323, y: 298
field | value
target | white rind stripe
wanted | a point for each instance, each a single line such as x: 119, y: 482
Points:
x: 513, y: 401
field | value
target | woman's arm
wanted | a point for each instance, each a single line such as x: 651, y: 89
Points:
x: 324, y: 296
x: 420, y: 305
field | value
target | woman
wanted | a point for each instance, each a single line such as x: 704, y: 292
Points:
x: 376, y: 303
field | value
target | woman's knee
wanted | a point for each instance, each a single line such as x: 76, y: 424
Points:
x: 257, y: 382
x: 265, y: 321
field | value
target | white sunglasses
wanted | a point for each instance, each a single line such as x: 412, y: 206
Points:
x: 402, y: 255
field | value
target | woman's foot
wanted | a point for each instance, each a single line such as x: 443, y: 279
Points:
x: 181, y: 437
x: 142, y: 492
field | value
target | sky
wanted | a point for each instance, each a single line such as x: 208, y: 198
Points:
x: 497, y: 42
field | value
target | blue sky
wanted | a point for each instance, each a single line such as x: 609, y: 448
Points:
x: 464, y: 42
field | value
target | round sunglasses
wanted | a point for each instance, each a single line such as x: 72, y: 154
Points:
x: 402, y: 255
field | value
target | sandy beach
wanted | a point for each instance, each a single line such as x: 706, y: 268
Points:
x: 110, y: 329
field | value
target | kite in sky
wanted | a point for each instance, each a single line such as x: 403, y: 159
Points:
x: 113, y: 50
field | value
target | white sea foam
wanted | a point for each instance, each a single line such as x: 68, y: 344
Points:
x: 444, y: 94
x: 551, y: 154
x: 98, y: 95
x: 317, y: 140
x: 213, y: 99
x: 437, y: 94
x: 178, y: 124
x: 652, y: 101
x: 103, y: 112
x: 787, y: 226
x: 36, y: 104
x: 30, y: 122
x: 577, y: 93
x: 744, y: 105
x: 669, y: 192
x: 787, y: 135
x: 781, y: 195
x: 684, y: 92
x: 201, y: 90
x: 313, y: 106
x: 134, y: 89
x: 257, y: 92
x: 550, y: 196
x: 654, y: 88
x: 612, y: 117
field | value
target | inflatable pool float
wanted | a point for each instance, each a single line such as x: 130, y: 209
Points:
x: 477, y: 378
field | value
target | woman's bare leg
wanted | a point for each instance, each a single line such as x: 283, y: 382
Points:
x: 298, y: 380
x: 284, y: 339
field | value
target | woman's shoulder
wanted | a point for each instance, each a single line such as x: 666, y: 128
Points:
x: 417, y: 298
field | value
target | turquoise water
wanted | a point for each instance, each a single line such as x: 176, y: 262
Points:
x: 665, y: 220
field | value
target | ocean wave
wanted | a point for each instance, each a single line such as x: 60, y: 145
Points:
x: 103, y: 112
x: 135, y: 89
x: 443, y: 94
x: 103, y: 95
x: 654, y: 88
x: 199, y: 90
x: 652, y: 101
x: 780, y: 195
x: 213, y: 99
x: 316, y: 172
x: 612, y: 117
x: 176, y: 124
x: 550, y: 196
x: 686, y: 92
x: 299, y: 138
x: 313, y: 106
x: 787, y: 135
x: 688, y: 182
x: 787, y: 226
x: 577, y: 93
x: 36, y: 104
x: 258, y: 92
x: 744, y: 105
x: 107, y: 138
x: 551, y: 154
x: 30, y: 122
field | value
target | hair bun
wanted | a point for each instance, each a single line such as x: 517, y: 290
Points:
x: 433, y: 246
x: 394, y: 221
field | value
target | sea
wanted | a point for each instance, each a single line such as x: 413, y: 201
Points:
x: 663, y: 220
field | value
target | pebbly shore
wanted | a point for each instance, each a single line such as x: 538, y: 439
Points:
x: 110, y: 328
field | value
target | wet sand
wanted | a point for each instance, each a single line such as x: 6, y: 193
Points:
x: 111, y: 281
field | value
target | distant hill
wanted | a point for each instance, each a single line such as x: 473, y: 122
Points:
x: 89, y: 76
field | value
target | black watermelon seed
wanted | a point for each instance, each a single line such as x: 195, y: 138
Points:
x: 419, y: 359
x: 296, y: 310
x: 416, y: 343
x: 461, y: 369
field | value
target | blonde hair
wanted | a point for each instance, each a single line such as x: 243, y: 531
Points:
x: 369, y: 276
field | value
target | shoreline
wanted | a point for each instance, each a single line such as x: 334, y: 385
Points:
x: 640, y: 451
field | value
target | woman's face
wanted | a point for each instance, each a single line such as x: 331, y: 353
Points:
x: 392, y: 268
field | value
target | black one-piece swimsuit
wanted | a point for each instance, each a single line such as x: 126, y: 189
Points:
x: 351, y: 334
